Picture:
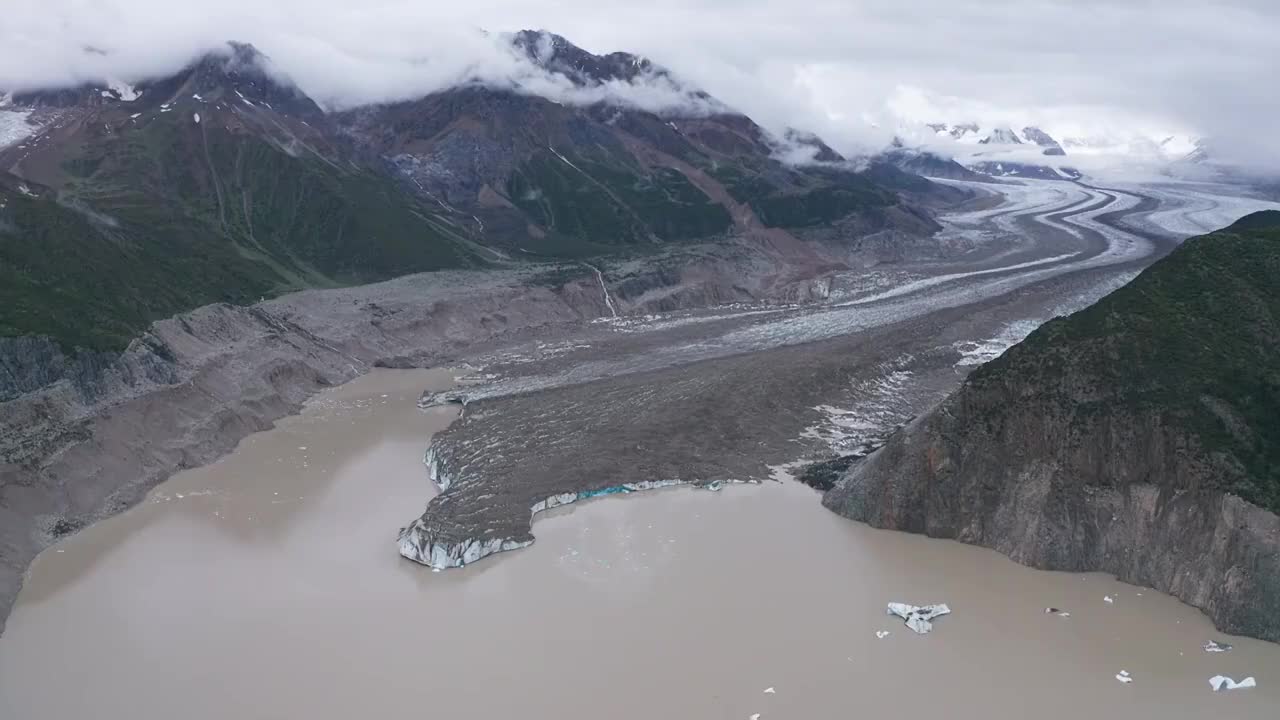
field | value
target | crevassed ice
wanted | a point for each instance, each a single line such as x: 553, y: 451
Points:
x: 14, y: 126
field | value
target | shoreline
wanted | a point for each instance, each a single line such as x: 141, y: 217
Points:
x: 233, y: 371
x: 173, y: 603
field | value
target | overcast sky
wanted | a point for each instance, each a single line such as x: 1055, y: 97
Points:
x: 855, y: 71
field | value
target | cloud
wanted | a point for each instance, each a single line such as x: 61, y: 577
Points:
x: 855, y: 73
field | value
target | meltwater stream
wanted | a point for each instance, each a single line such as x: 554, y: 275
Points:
x: 268, y: 585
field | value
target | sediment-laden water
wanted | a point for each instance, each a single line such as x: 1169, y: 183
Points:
x: 268, y: 585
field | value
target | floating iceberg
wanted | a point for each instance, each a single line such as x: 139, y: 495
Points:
x: 1222, y: 682
x: 918, y: 618
x: 1123, y: 676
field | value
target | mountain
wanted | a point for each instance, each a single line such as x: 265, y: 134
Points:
x: 1001, y: 136
x: 121, y: 204
x: 1039, y: 137
x: 556, y: 54
x: 968, y: 132
x: 997, y: 152
x: 559, y: 179
x: 218, y: 184
x: 1139, y: 437
x: 1014, y: 169
x: 927, y: 164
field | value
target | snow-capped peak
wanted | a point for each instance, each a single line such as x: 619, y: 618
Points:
x: 1001, y: 136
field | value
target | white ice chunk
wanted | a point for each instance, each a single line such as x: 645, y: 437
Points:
x: 770, y: 690
x: 918, y: 617
x: 1123, y: 676
x: 1108, y: 599
x: 1212, y: 646
x: 882, y: 634
x: 1222, y: 682
x: 196, y: 117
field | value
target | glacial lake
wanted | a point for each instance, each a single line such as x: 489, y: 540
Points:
x: 268, y: 585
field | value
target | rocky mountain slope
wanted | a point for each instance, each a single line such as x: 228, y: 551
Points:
x: 185, y: 260
x: 225, y: 183
x: 1139, y: 437
x: 218, y: 184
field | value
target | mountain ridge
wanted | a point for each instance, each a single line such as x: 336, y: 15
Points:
x: 1136, y: 437
x: 270, y: 193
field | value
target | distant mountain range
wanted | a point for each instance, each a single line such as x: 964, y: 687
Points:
x: 1033, y: 152
x: 989, y: 150
x: 121, y: 204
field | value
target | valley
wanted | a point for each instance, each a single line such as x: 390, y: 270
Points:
x: 281, y: 369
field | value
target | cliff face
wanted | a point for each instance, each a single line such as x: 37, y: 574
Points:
x: 1139, y: 437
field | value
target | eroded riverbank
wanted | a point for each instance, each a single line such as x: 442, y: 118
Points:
x: 268, y: 585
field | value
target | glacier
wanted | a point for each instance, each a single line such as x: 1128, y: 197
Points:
x: 421, y: 544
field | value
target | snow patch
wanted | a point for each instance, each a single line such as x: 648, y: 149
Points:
x: 566, y: 160
x: 123, y: 90
x: 14, y: 126
x: 881, y: 405
x: 978, y: 352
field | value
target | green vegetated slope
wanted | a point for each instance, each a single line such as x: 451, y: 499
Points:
x: 617, y: 203
x: 175, y: 214
x: 801, y: 199
x: 1195, y: 338
x: 610, y: 201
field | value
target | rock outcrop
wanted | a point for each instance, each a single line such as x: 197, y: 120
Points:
x: 1139, y: 437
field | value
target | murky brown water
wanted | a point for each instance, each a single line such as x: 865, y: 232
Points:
x: 268, y: 586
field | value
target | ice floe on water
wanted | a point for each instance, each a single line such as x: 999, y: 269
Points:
x: 1222, y: 682
x: 918, y: 617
